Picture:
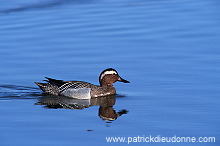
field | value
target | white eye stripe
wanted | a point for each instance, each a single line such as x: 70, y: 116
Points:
x: 108, y: 73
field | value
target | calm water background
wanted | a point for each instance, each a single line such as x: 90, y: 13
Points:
x: 168, y: 50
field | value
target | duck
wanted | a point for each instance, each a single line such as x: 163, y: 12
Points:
x: 81, y: 89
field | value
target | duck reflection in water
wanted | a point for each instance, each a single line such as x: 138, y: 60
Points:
x: 106, y: 110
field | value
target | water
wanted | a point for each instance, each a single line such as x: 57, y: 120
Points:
x: 168, y: 50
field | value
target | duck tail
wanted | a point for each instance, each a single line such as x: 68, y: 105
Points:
x: 48, y: 88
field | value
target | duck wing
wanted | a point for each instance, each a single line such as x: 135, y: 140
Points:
x: 54, y: 81
x: 74, y: 85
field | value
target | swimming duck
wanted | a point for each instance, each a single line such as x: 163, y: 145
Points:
x: 81, y: 89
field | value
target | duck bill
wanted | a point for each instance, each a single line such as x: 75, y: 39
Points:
x: 123, y: 80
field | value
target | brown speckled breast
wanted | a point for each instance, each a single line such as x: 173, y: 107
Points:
x: 98, y: 91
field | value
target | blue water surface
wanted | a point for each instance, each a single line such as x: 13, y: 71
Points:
x: 168, y: 50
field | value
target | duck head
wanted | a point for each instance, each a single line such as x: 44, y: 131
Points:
x: 110, y: 76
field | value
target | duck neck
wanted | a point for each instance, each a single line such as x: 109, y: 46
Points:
x: 105, y: 84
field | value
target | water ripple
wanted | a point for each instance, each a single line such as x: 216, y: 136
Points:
x: 17, y: 92
x: 40, y: 5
